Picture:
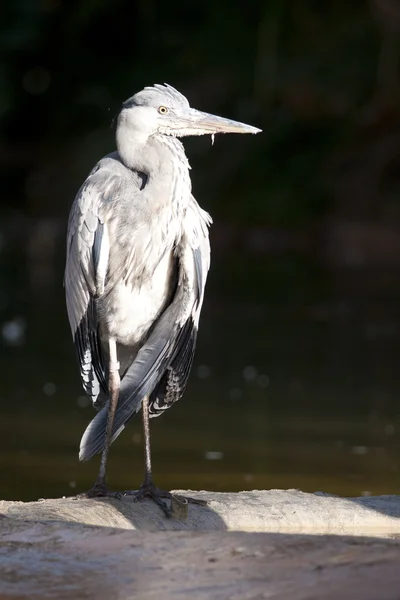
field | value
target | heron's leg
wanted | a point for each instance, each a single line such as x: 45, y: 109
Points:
x: 148, y: 489
x: 148, y: 477
x: 114, y: 382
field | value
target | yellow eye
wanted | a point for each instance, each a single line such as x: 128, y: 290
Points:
x: 162, y: 110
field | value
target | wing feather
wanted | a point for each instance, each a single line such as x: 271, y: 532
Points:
x: 85, y: 275
x: 173, y: 384
x: 162, y: 366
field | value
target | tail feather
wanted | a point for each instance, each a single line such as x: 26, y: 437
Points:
x: 139, y: 380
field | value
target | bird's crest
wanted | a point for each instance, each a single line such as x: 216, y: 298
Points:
x: 170, y: 92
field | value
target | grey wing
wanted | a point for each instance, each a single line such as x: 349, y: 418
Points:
x: 85, y: 273
x: 174, y: 381
x: 162, y: 366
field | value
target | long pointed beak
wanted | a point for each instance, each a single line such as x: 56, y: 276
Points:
x: 210, y: 124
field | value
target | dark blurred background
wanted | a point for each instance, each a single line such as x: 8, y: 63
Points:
x: 296, y: 381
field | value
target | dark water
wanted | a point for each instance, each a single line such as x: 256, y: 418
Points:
x: 296, y: 384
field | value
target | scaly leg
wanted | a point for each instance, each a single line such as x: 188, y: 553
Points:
x: 100, y: 488
x: 148, y: 489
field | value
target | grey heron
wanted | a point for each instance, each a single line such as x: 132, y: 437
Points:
x: 138, y: 255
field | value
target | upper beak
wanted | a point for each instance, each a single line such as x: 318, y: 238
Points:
x: 212, y: 124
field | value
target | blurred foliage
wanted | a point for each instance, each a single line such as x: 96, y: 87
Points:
x: 320, y: 78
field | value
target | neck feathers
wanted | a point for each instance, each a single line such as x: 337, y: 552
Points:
x: 163, y: 161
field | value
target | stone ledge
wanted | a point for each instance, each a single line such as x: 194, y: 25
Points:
x: 273, y: 511
x: 72, y: 548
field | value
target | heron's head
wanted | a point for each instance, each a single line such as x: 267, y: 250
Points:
x: 162, y: 109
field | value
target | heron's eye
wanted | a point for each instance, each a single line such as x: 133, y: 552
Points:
x: 162, y: 110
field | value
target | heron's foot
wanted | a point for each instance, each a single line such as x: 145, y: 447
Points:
x: 149, y: 490
x: 100, y: 490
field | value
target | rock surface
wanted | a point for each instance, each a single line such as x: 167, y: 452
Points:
x: 74, y: 548
x: 273, y: 511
